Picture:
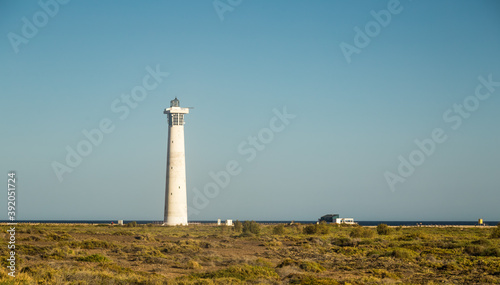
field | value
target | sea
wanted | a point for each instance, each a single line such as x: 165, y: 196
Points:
x: 361, y: 223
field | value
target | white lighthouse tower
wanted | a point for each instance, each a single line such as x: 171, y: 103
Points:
x: 175, y: 189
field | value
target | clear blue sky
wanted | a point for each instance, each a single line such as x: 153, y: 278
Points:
x: 353, y: 119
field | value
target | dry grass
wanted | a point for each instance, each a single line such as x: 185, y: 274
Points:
x: 284, y: 254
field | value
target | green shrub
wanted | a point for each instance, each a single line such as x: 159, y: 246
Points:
x: 310, y: 229
x: 311, y: 280
x: 132, y: 224
x: 361, y: 232
x: 491, y: 251
x: 251, y: 227
x: 193, y: 265
x: 482, y: 241
x: 316, y: 229
x: 287, y: 262
x: 376, y: 253
x: 223, y: 229
x: 343, y: 241
x: 32, y: 238
x: 182, y: 246
x: 59, y: 237
x: 496, y: 232
x: 241, y: 272
x: 279, y: 229
x: 32, y: 250
x: 323, y: 228
x: 383, y: 229
x: 31, y: 230
x: 122, y: 233
x: 450, y: 266
x: 474, y: 250
x: 383, y: 273
x: 477, y: 250
x: 94, y: 258
x: 403, y: 253
x: 414, y: 236
x: 311, y: 266
x: 238, y: 226
x: 92, y: 244
x: 57, y: 253
x: 146, y: 236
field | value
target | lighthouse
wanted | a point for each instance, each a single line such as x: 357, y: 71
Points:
x: 175, y: 186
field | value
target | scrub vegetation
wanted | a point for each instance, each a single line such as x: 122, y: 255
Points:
x: 252, y: 253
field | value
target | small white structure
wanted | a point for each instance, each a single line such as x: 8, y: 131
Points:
x: 229, y: 223
x: 347, y: 221
x: 218, y: 222
x: 120, y: 222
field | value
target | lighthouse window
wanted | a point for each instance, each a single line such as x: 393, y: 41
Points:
x: 177, y: 120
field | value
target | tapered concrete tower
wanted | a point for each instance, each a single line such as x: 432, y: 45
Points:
x: 175, y: 189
